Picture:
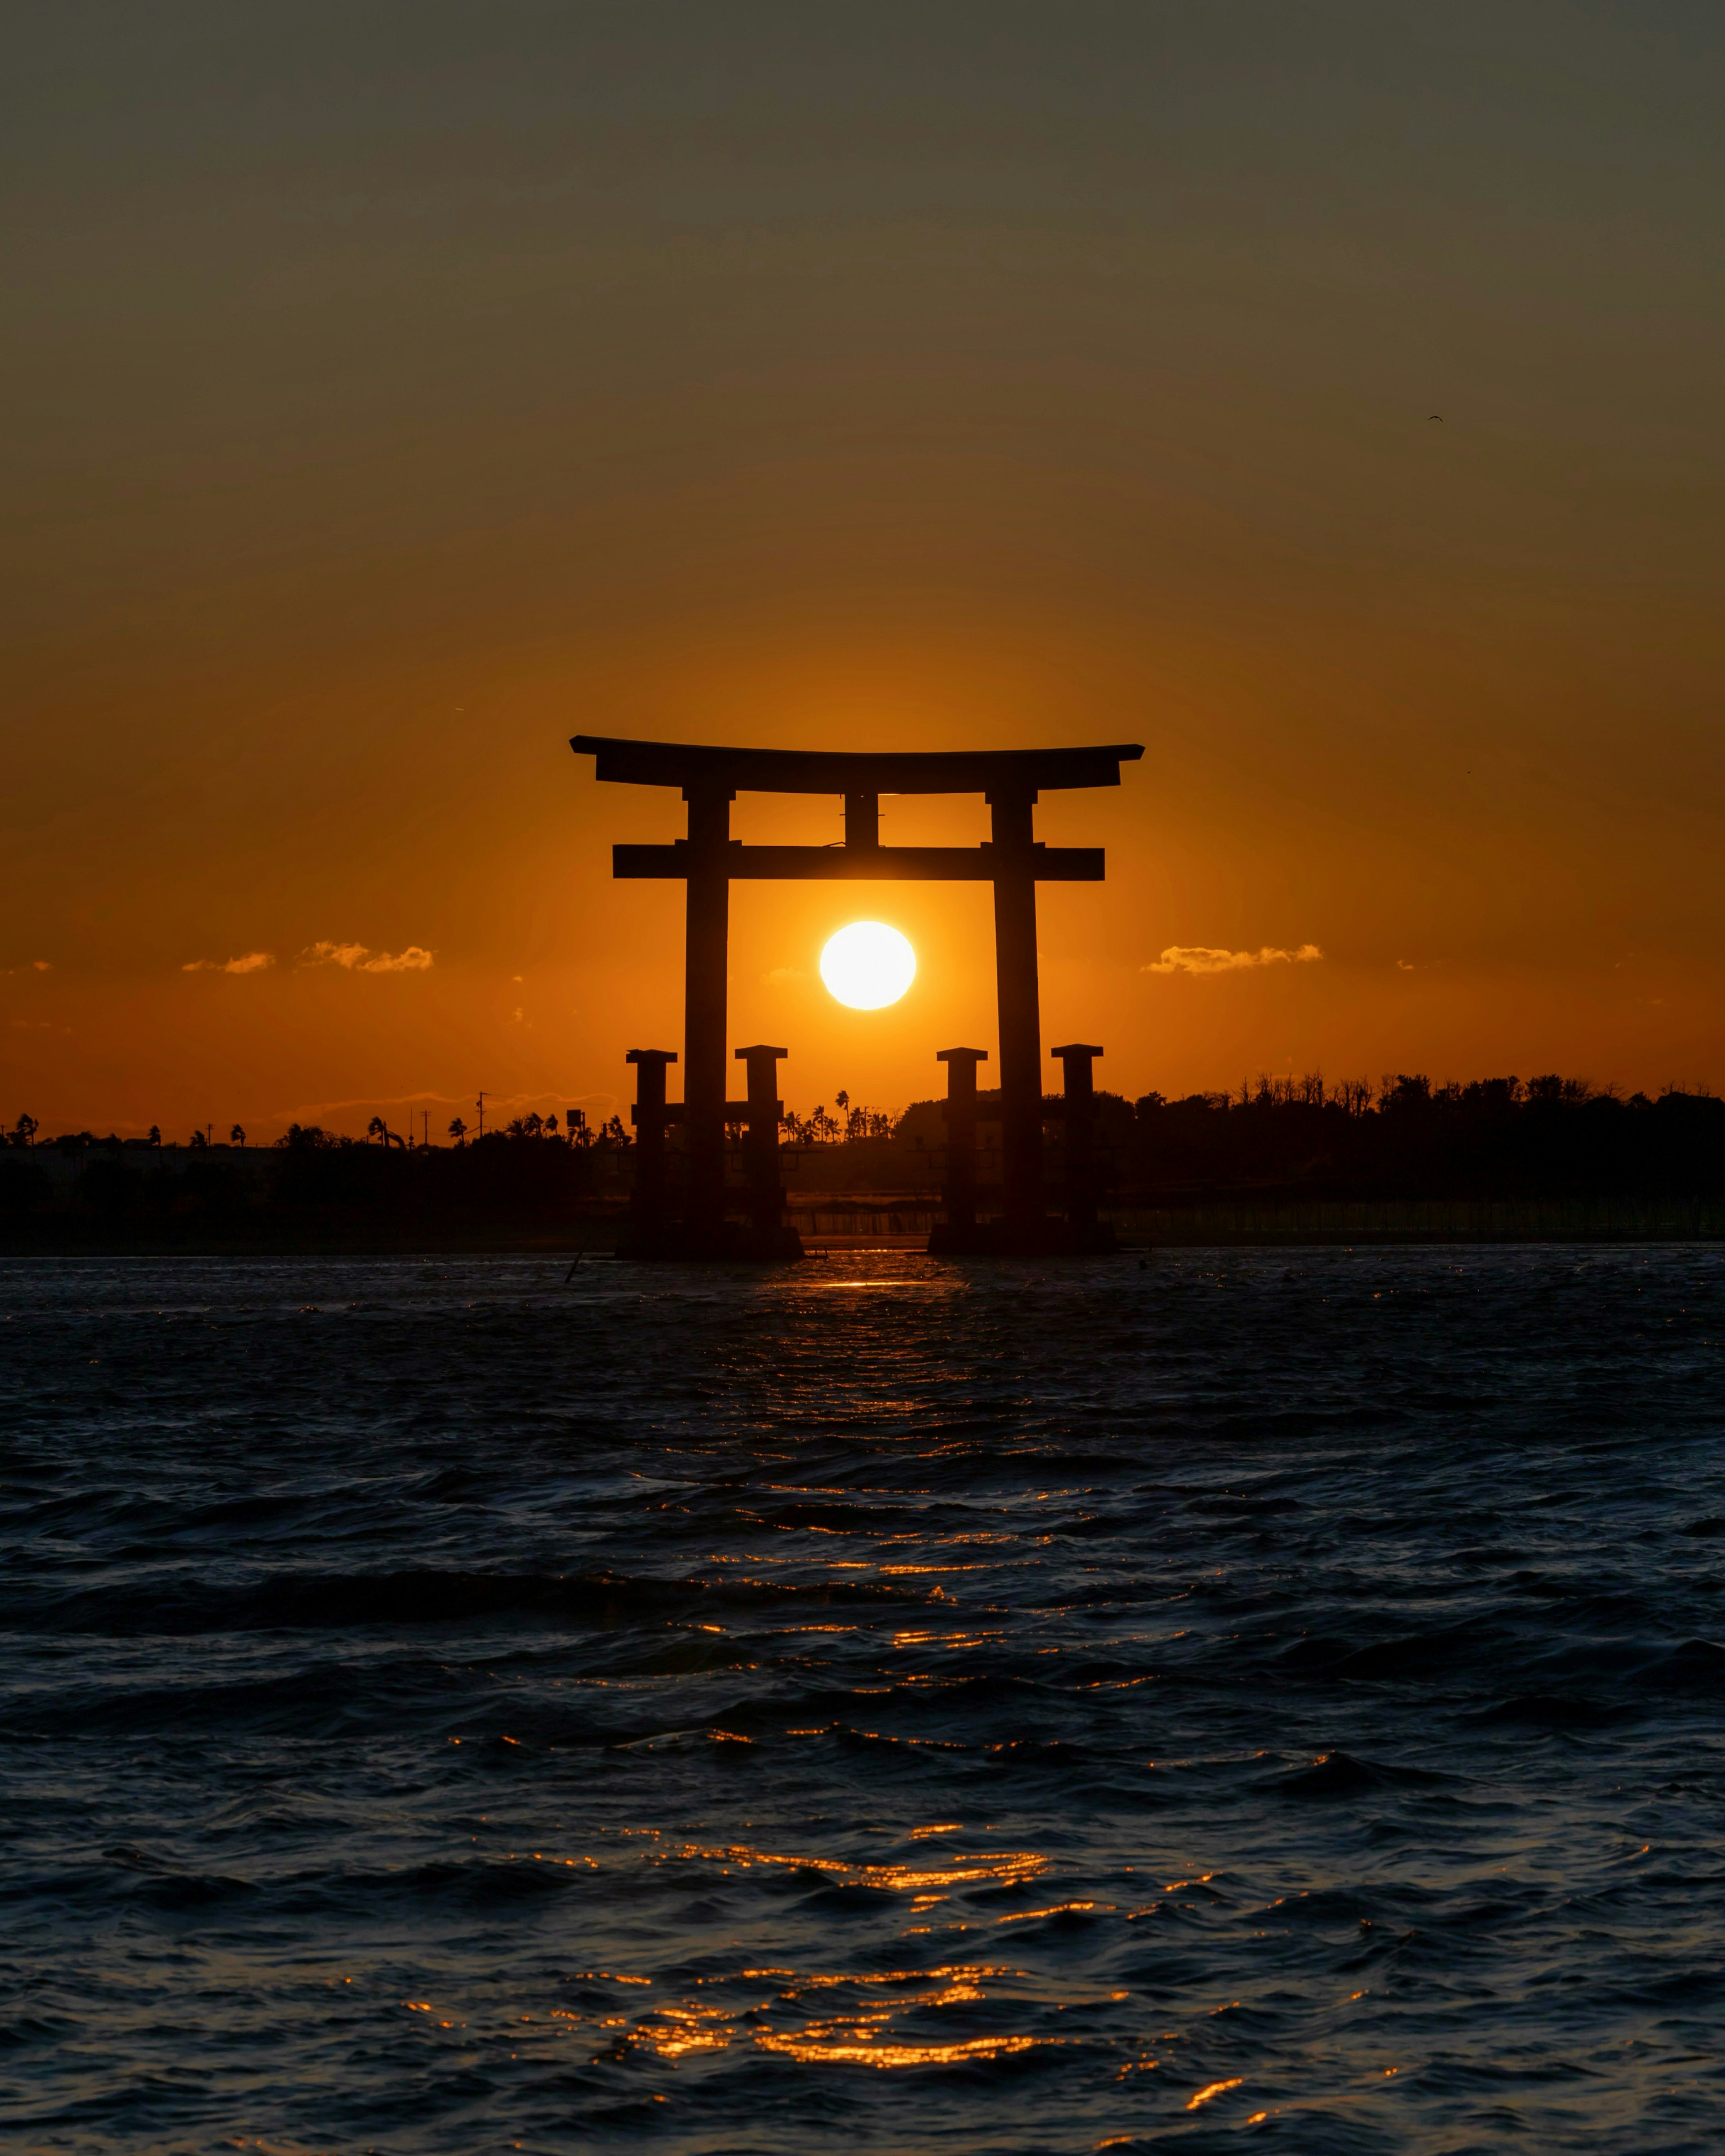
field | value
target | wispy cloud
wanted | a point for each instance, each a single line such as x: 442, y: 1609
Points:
x: 35, y: 965
x: 310, y: 1110
x: 356, y: 957
x: 252, y: 962
x: 1202, y: 958
x: 782, y: 977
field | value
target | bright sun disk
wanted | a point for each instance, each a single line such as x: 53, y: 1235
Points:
x: 868, y: 965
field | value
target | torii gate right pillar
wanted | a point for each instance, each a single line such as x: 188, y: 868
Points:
x: 1014, y: 865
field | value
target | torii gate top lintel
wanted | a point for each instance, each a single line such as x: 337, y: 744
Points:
x: 698, y: 767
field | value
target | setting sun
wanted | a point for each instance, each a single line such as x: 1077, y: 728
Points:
x: 868, y: 965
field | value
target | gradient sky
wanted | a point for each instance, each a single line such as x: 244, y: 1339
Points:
x: 391, y: 391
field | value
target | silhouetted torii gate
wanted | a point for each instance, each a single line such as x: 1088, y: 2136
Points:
x: 709, y: 860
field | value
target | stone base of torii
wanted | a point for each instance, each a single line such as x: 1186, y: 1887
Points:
x: 658, y: 1227
x: 1080, y: 1232
x: 694, y: 1221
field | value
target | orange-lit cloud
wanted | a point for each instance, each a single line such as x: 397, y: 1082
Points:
x: 356, y: 957
x: 1203, y: 959
x: 253, y: 962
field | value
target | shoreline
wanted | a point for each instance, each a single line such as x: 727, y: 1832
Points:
x: 837, y: 1225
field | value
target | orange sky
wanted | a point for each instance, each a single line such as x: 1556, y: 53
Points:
x: 390, y: 394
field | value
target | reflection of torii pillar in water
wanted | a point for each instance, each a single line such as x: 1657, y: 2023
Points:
x: 710, y: 859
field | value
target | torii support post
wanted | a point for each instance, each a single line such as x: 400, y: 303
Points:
x: 959, y: 1231
x: 648, y: 1213
x: 1079, y: 1109
x: 768, y: 1235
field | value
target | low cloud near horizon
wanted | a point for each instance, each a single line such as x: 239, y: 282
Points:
x: 1202, y: 958
x: 253, y: 962
x: 356, y: 957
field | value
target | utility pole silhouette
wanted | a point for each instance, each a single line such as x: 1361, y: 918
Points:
x: 480, y: 1105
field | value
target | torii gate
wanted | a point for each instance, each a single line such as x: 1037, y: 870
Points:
x: 709, y: 860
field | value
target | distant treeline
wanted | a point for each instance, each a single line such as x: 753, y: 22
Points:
x: 1406, y: 1138
x: 311, y: 1186
x: 1402, y: 1138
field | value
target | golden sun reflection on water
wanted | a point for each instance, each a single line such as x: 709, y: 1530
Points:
x: 1003, y: 1868
x: 862, y: 2037
x: 818, y: 2046
x: 674, y: 2032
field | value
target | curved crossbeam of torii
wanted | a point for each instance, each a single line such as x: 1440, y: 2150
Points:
x: 709, y: 860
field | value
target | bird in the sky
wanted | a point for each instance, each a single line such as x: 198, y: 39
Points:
x: 1439, y: 417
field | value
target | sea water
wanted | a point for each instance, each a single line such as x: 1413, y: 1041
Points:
x: 1258, y: 1698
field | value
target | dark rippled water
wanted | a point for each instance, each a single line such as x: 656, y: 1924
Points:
x: 1264, y: 1698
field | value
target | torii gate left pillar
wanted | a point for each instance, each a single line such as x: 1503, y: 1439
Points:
x: 706, y: 949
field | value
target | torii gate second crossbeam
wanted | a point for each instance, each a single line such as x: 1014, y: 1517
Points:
x: 710, y: 859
